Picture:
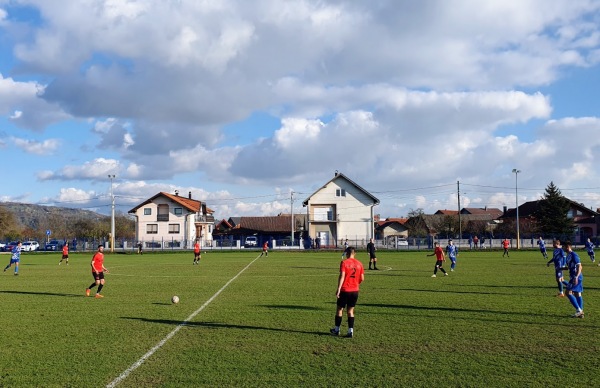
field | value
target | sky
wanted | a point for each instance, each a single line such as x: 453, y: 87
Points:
x: 253, y: 105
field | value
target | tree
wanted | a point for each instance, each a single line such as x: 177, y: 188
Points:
x: 8, y: 224
x: 552, y: 215
x: 416, y: 226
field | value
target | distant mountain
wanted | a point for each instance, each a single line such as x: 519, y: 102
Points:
x: 39, y: 217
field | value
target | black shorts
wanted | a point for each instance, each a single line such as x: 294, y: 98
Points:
x: 197, y: 255
x: 65, y: 256
x: 372, y: 255
x: 439, y: 263
x: 347, y: 299
x: 98, y: 275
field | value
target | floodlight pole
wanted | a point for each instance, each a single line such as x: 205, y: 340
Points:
x: 112, y: 215
x: 516, y: 172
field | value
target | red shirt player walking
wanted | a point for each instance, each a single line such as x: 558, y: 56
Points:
x: 65, y: 254
x: 197, y: 255
x: 352, y: 273
x: 505, y: 245
x: 98, y: 270
x: 265, y: 250
x: 439, y: 260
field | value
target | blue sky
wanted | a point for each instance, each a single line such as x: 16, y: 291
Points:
x: 241, y: 103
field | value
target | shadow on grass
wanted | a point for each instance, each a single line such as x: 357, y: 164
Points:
x: 289, y: 307
x: 464, y: 310
x: 215, y: 325
x: 41, y: 293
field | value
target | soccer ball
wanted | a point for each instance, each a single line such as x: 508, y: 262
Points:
x: 175, y: 299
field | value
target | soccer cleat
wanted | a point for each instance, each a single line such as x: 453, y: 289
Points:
x: 578, y: 314
x: 451, y: 269
x: 16, y: 274
x: 376, y: 269
x: 433, y: 276
x: 87, y: 292
x: 334, y: 332
x: 350, y: 334
x: 98, y: 296
x: 446, y: 274
x: 560, y: 295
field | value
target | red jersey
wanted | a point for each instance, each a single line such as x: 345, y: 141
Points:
x: 439, y: 253
x: 98, y: 262
x: 65, y: 250
x: 505, y: 244
x: 197, y: 248
x: 265, y: 246
x: 354, y: 271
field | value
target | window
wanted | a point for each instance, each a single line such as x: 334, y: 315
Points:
x: 152, y: 228
x: 323, y: 214
x: 147, y: 211
x: 178, y: 211
x: 173, y: 228
x: 340, y: 192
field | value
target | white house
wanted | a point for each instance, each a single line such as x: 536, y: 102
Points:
x: 170, y: 221
x: 340, y: 210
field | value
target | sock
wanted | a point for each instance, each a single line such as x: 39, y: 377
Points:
x: 350, y: 323
x: 443, y: 270
x: 561, y: 288
x: 338, y: 322
x: 435, y: 270
x: 17, y: 269
x: 100, y: 288
x: 369, y: 265
x: 92, y: 286
x: 579, y: 301
x: 573, y: 301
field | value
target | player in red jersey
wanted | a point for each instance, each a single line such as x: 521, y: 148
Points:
x: 352, y: 273
x: 197, y: 255
x: 265, y: 250
x: 65, y: 254
x: 439, y: 260
x: 98, y: 270
x: 505, y: 245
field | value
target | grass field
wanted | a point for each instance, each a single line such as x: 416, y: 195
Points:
x: 493, y: 322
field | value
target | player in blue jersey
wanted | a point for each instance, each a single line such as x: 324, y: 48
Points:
x: 559, y: 260
x: 575, y: 284
x: 542, y: 244
x: 452, y: 252
x: 15, y: 258
x: 589, y: 247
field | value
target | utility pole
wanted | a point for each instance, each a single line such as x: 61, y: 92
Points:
x: 112, y: 215
x: 516, y: 172
x: 292, y: 212
x: 459, y: 221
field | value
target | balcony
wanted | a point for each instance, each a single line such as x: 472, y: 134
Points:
x: 162, y: 217
x: 204, y: 218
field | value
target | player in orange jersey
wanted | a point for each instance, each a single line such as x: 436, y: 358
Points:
x: 265, y: 250
x: 98, y: 270
x: 65, y: 254
x: 439, y: 260
x: 197, y: 255
x: 352, y: 273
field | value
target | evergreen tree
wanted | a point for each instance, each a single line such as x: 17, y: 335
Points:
x: 552, y: 214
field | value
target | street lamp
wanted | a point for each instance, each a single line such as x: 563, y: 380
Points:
x: 112, y: 214
x: 516, y: 172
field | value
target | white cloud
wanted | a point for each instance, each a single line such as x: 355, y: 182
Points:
x: 46, y: 147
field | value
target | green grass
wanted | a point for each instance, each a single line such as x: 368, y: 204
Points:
x: 493, y: 322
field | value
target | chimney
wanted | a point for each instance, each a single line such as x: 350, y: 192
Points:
x: 336, y: 173
x: 177, y: 193
x: 189, y: 194
x: 504, y: 209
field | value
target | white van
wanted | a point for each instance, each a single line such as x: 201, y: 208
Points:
x: 251, y: 241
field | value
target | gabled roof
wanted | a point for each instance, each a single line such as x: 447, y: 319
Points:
x: 492, y: 211
x: 528, y: 209
x: 447, y: 212
x: 191, y: 205
x: 270, y: 224
x: 339, y: 175
x: 380, y: 225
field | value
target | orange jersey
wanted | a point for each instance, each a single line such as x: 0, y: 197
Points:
x: 65, y: 250
x: 265, y: 246
x: 439, y: 253
x: 354, y: 271
x: 98, y: 262
x: 505, y: 244
x: 197, y: 248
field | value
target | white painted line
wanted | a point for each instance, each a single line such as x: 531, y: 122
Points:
x: 139, y: 362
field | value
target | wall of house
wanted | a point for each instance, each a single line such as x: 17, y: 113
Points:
x: 352, y: 218
x: 164, y: 235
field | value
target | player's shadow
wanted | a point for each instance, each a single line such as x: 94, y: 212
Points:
x: 216, y: 325
x: 41, y: 293
x: 289, y: 307
x: 452, y: 309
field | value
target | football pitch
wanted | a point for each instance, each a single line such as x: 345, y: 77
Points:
x: 256, y: 322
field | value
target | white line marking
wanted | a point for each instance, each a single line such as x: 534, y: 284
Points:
x: 139, y: 362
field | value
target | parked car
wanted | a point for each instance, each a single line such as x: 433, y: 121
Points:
x: 2, y: 246
x: 402, y: 242
x: 28, y: 246
x: 9, y: 247
x: 53, y: 245
x: 251, y: 241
